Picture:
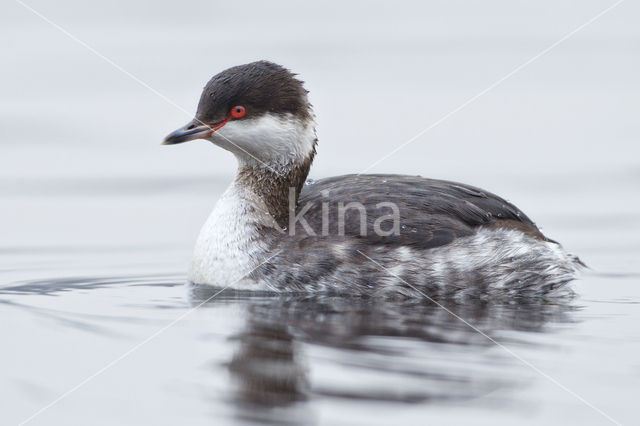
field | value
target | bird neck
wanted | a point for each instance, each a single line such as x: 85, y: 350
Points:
x: 275, y: 188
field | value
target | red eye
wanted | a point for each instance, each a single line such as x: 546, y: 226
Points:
x: 238, y: 111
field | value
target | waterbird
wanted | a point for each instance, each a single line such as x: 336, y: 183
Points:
x: 272, y: 230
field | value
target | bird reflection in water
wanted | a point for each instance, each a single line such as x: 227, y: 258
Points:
x: 374, y: 349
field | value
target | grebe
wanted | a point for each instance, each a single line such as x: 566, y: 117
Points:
x: 273, y: 231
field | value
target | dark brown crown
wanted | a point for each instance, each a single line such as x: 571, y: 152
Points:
x: 260, y: 87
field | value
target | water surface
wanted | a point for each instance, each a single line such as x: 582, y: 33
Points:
x: 235, y: 357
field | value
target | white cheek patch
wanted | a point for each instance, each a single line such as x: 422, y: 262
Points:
x: 270, y: 138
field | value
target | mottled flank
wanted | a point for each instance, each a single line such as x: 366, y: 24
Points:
x: 492, y: 264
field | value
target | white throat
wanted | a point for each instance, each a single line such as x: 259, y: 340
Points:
x: 271, y: 139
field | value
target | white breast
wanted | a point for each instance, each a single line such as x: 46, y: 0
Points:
x: 228, y: 246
